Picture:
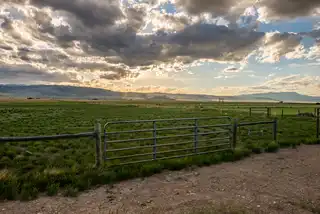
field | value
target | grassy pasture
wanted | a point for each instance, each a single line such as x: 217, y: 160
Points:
x: 30, y: 168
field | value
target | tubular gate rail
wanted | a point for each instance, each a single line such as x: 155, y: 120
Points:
x: 274, y: 127
x: 95, y: 134
x: 215, y: 143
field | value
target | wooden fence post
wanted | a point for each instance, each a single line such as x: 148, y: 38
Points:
x: 97, y: 131
x: 250, y: 111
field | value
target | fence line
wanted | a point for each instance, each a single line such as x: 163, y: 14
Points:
x: 268, y: 110
x: 274, y: 127
x: 227, y: 142
x: 95, y: 134
x: 52, y: 137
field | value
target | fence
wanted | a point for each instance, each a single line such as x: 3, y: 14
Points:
x: 262, y: 134
x: 266, y: 110
x: 206, y: 138
x: 95, y: 134
x: 225, y: 138
x: 318, y: 124
x: 283, y: 111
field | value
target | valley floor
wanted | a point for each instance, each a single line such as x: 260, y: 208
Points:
x: 283, y: 182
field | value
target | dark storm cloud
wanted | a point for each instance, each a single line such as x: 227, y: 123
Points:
x: 291, y: 8
x: 27, y: 72
x: 215, y: 42
x: 199, y: 6
x: 90, y: 12
x: 275, y: 8
x: 104, y: 29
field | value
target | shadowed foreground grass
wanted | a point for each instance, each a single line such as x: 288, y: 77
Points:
x: 67, y: 166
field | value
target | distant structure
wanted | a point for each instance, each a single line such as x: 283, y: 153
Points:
x: 221, y: 100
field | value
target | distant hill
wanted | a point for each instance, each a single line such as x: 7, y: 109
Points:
x: 56, y: 91
x: 161, y: 98
x: 73, y: 92
x: 282, y: 96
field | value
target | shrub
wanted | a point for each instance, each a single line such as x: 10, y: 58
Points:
x: 311, y: 141
x: 273, y: 147
x: 52, y: 189
x: 240, y: 153
x: 70, y: 191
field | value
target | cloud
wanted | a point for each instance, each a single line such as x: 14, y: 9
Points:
x: 269, y: 9
x: 100, y: 42
x: 231, y: 69
x: 26, y: 73
x: 277, y: 45
x: 219, y: 43
x: 291, y: 8
x: 296, y: 82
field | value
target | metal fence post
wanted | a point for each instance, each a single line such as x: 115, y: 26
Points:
x: 234, y: 132
x: 154, y: 140
x: 105, y: 143
x: 275, y: 130
x: 196, y: 135
x: 97, y: 130
x: 318, y: 124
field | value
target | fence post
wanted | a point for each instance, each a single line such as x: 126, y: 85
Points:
x: 154, y: 140
x: 234, y: 132
x: 282, y: 114
x: 275, y: 130
x: 196, y: 135
x: 97, y: 130
x: 318, y: 124
x: 250, y: 112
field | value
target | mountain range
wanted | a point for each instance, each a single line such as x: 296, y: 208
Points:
x: 75, y: 92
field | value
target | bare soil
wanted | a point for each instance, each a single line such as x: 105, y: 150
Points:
x: 283, y: 182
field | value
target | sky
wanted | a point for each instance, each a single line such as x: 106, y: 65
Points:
x: 213, y: 47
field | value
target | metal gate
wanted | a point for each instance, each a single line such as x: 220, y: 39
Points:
x: 138, y: 141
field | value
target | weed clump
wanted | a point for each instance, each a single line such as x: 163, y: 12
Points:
x: 272, y: 147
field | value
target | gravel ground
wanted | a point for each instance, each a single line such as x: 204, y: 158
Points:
x: 284, y: 182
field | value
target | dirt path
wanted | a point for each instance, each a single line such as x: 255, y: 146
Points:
x: 285, y: 182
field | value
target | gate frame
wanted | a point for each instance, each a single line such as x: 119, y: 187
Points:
x: 154, y: 130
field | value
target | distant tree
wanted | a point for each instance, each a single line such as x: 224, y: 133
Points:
x: 317, y: 103
x: 30, y: 98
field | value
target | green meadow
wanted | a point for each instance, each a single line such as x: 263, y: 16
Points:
x: 29, y: 169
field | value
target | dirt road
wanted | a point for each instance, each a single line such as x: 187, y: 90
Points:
x: 284, y: 182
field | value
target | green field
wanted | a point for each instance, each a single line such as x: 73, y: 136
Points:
x: 67, y: 166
